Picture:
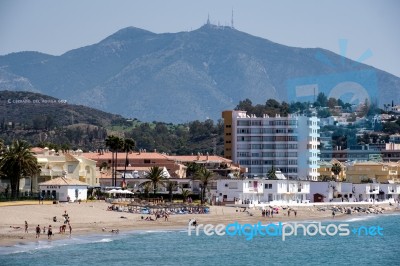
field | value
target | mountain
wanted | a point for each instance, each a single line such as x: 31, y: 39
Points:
x: 184, y: 76
x: 23, y: 109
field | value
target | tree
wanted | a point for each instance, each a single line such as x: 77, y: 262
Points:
x: 192, y: 169
x: 1, y: 146
x: 332, y: 102
x: 146, y: 187
x: 171, y: 186
x: 129, y: 145
x: 204, y: 176
x: 115, y: 144
x: 322, y: 99
x: 156, y: 178
x: 272, y: 173
x: 185, y: 194
x: 18, y: 162
x: 336, y: 169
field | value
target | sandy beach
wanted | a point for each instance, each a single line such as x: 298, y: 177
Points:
x: 94, y: 218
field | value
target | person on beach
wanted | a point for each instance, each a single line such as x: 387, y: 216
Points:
x: 70, y: 228
x: 49, y: 232
x: 44, y: 229
x: 15, y: 227
x: 333, y: 214
x: 26, y: 227
x: 295, y: 213
x: 66, y: 217
x: 37, y: 231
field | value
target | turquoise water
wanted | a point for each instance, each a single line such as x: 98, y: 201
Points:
x: 177, y: 248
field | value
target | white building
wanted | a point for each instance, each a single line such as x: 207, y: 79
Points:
x: 57, y: 164
x: 259, y: 191
x: 286, y: 191
x: 332, y: 191
x: 389, y: 192
x: 290, y: 144
x: 366, y: 191
x: 64, y: 189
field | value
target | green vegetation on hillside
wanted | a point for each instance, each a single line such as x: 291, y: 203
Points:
x: 66, y: 126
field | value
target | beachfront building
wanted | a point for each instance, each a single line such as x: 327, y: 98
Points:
x: 331, y: 191
x: 258, y: 144
x: 58, y: 164
x: 286, y: 191
x: 242, y: 191
x: 259, y: 191
x: 371, y: 171
x: 64, y: 189
x: 368, y: 192
x: 389, y: 191
x: 174, y: 168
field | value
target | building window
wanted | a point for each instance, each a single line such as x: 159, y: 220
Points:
x: 70, y: 169
x: 146, y: 161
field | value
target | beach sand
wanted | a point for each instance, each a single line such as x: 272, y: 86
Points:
x: 93, y: 217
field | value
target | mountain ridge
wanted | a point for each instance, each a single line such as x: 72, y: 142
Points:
x: 184, y: 76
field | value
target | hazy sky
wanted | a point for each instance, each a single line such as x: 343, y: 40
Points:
x: 56, y: 26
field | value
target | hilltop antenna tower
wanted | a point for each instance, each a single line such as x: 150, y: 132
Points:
x: 232, y: 20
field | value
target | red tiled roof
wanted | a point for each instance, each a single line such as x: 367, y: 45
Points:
x: 134, y: 155
x: 201, y: 158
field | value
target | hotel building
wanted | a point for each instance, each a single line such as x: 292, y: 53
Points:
x: 290, y: 144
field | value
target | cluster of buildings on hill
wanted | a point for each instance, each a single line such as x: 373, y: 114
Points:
x: 289, y: 147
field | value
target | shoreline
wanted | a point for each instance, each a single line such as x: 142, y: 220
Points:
x: 89, y: 219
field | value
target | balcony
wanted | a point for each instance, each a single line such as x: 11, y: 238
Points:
x: 82, y: 173
x: 45, y: 172
x: 372, y: 190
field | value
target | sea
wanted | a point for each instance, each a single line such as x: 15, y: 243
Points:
x: 377, y: 242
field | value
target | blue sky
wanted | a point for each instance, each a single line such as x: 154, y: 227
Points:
x: 56, y: 26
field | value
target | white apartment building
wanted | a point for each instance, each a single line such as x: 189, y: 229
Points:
x: 290, y: 144
x: 261, y: 191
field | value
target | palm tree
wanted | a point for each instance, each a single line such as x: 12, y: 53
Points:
x: 156, y: 178
x: 336, y: 170
x: 146, y: 189
x: 18, y: 162
x: 192, y: 169
x: 185, y: 194
x: 129, y: 145
x: 272, y: 173
x: 204, y: 176
x: 115, y: 144
x: 171, y: 186
x: 1, y: 146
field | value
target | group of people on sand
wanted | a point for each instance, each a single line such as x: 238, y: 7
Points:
x: 269, y: 212
x: 40, y: 231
